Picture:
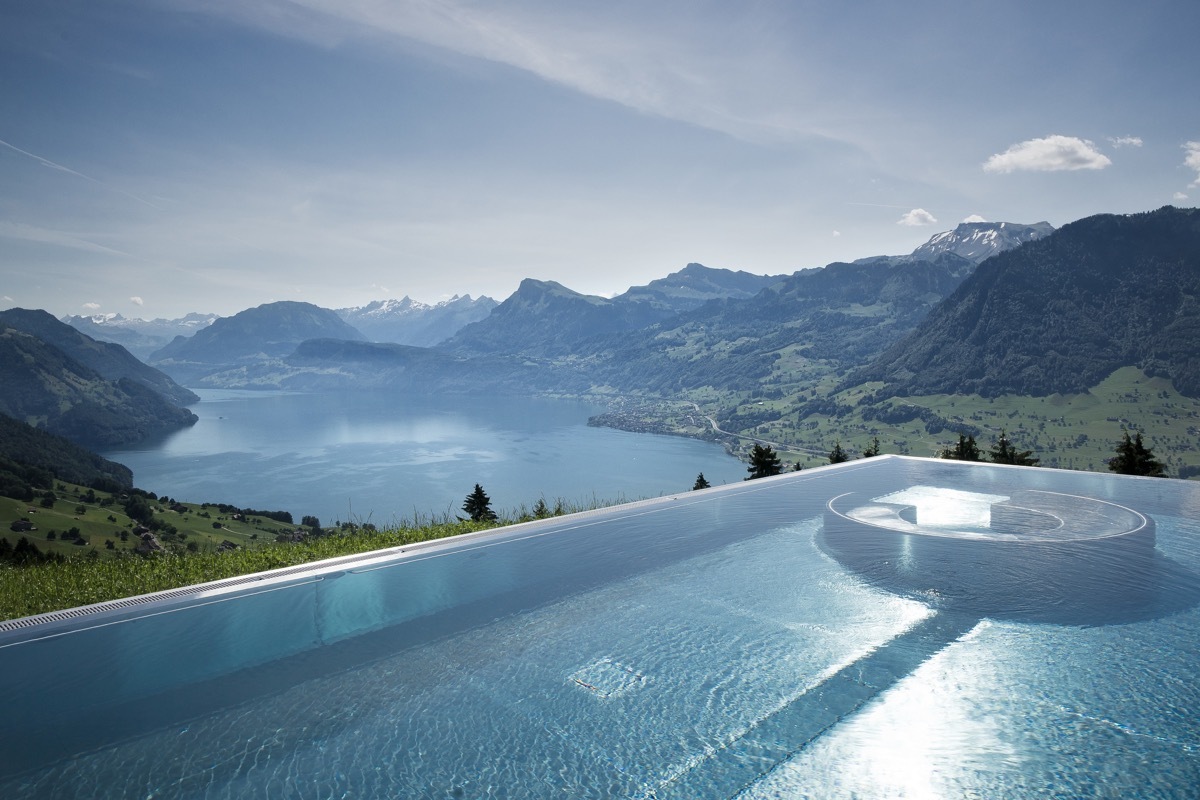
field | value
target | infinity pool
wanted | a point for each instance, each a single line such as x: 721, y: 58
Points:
x: 893, y: 627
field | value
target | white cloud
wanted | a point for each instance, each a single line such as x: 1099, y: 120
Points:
x: 92, y: 306
x: 916, y: 218
x: 8, y: 299
x: 974, y: 218
x: 837, y: 233
x: 137, y: 301
x: 1051, y: 154
x: 1126, y: 141
x: 1192, y: 161
x: 730, y: 69
x: 1180, y: 196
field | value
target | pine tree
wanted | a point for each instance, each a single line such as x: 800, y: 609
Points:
x: 965, y: 450
x: 763, y: 462
x: 872, y: 449
x: 837, y: 455
x: 1134, y: 458
x: 479, y: 506
x: 701, y: 482
x: 1003, y: 452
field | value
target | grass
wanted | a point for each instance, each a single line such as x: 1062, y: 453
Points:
x: 1077, y: 431
x: 38, y: 588
x: 92, y: 573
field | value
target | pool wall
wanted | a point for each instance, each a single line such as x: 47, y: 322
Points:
x: 84, y: 678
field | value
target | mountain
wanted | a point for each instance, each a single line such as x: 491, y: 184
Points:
x: 974, y: 241
x: 979, y: 241
x: 268, y: 331
x: 45, y: 387
x: 1062, y: 313
x: 696, y: 327
x: 139, y: 336
x: 23, y: 448
x: 544, y: 319
x: 695, y: 285
x: 409, y: 322
x: 806, y: 326
x: 111, y: 361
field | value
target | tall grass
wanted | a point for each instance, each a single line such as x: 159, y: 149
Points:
x: 39, y: 588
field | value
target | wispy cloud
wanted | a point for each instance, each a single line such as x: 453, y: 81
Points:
x: 137, y: 301
x: 729, y: 70
x: 1192, y: 161
x: 1179, y: 197
x: 31, y: 233
x: 1125, y: 141
x: 1050, y: 154
x: 916, y: 218
x: 45, y: 162
x: 92, y: 306
x: 974, y: 218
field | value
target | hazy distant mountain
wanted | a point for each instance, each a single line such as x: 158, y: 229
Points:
x: 544, y: 318
x: 45, y: 387
x: 139, y: 336
x: 695, y: 285
x: 1062, y: 313
x: 408, y: 322
x: 111, y: 361
x: 323, y: 364
x: 268, y: 331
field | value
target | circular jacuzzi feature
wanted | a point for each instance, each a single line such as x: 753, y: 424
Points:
x: 1027, y: 552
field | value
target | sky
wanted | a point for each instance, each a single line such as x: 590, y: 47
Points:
x: 159, y: 157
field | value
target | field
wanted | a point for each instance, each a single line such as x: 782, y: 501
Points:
x: 82, y: 521
x: 1066, y: 431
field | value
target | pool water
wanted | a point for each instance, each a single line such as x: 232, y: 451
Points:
x: 710, y: 645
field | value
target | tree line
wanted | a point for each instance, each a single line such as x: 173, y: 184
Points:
x: 1132, y: 456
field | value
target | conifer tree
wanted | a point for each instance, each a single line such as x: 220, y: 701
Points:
x: 479, y: 506
x: 872, y: 449
x: 1134, y: 458
x: 965, y: 450
x: 701, y: 482
x: 1003, y: 452
x: 837, y: 455
x: 763, y: 462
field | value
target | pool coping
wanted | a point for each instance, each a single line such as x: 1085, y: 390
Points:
x: 400, y: 553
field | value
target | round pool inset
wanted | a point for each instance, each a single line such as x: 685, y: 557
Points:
x: 1028, y: 552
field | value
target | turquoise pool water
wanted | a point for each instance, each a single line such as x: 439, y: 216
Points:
x: 727, y: 643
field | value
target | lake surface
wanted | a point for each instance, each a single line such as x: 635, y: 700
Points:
x: 383, y: 457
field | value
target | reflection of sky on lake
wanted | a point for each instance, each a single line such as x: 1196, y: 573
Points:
x: 381, y: 456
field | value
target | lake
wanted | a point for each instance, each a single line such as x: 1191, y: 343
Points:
x: 383, y: 457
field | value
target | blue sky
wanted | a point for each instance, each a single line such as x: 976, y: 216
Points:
x: 165, y: 156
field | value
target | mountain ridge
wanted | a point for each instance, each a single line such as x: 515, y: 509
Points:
x: 111, y: 361
x: 409, y: 322
x: 1060, y: 314
x: 46, y: 388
